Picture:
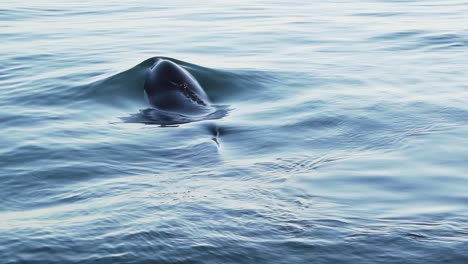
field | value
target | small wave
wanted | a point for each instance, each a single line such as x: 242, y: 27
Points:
x: 379, y: 14
x: 417, y: 39
x: 399, y: 35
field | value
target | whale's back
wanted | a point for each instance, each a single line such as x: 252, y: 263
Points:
x: 171, y: 88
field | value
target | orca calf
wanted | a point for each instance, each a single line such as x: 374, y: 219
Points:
x: 171, y: 88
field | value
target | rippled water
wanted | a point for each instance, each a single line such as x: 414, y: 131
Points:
x: 343, y: 137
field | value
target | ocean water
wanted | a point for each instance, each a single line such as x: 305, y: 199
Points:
x: 343, y: 136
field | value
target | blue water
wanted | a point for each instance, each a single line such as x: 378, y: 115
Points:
x: 343, y: 137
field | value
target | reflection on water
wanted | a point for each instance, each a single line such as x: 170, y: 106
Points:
x: 151, y: 116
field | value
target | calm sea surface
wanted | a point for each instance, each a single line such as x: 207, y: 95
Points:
x: 344, y: 136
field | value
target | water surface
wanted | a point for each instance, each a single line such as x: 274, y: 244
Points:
x: 343, y: 137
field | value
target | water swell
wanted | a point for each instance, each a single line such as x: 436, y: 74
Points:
x: 127, y: 87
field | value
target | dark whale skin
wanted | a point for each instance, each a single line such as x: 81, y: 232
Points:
x: 171, y: 88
